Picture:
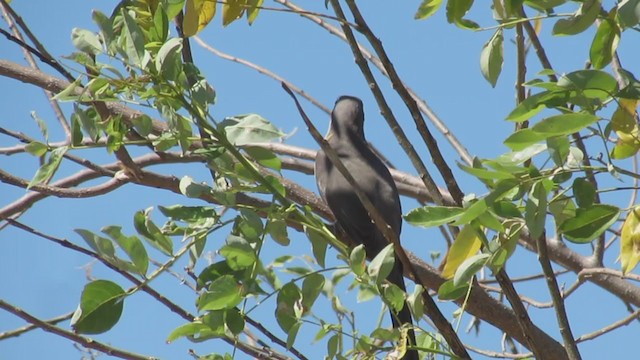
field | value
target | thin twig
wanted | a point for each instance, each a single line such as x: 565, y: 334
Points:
x: 398, y: 86
x: 620, y: 323
x: 422, y: 104
x: 263, y: 71
x: 28, y: 56
x: 27, y: 328
x: 40, y: 51
x: 431, y: 310
x: 84, y: 341
x: 556, y: 297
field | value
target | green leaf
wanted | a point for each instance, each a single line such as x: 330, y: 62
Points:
x: 563, y: 124
x: 238, y: 252
x: 558, y: 148
x: 357, y: 260
x: 278, y: 230
x: 455, y: 12
x: 449, y: 291
x: 88, y: 122
x: 251, y: 128
x: 628, y: 13
x: 536, y: 209
x: 466, y: 244
x: 48, y: 169
x: 187, y: 330
x: 134, y: 39
x: 429, y: 216
x: 604, y: 44
x: 394, y: 297
x: 264, y: 157
x: 36, y: 148
x: 190, y: 188
x: 169, y: 61
x: 86, y: 41
x: 234, y: 321
x: 382, y: 264
x: 470, y: 213
x: 522, y: 139
x: 318, y: 244
x: 106, y: 27
x: 160, y: 29
x: 595, y: 84
x: 469, y: 268
x: 584, y: 192
x: 132, y: 246
x: 562, y: 208
x: 427, y: 8
x: 100, y: 307
x: 249, y: 224
x: 580, y: 21
x: 486, y: 174
x: 589, y: 223
x: 519, y: 157
x: 293, y: 333
x: 145, y: 227
x: 623, y: 150
x: 99, y: 244
x: 491, y: 58
x: 287, y: 310
x: 529, y: 107
x: 223, y: 293
x: 188, y: 214
x: 312, y: 286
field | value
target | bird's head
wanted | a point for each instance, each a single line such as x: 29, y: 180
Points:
x: 347, y: 118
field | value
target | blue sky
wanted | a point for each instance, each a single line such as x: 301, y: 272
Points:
x: 439, y: 61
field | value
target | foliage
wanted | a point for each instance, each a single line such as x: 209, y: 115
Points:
x: 546, y: 183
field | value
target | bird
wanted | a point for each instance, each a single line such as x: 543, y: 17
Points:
x: 346, y: 137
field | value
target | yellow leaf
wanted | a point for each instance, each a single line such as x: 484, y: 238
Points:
x: 624, y: 122
x: 198, y: 14
x: 232, y: 10
x: 466, y: 244
x: 630, y: 241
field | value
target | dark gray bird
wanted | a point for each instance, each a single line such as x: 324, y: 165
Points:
x: 346, y: 137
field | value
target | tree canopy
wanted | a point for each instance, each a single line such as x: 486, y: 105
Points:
x: 510, y: 128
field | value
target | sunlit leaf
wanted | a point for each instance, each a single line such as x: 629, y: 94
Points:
x: 589, y: 222
x: 522, y: 139
x: 604, y: 44
x: 382, y: 264
x: 198, y: 14
x: 100, y: 307
x: 49, y: 168
x: 427, y: 8
x: 223, y: 293
x: 429, y: 216
x: 628, y: 13
x: 491, y: 58
x: 246, y: 129
x: 580, y: 21
x: 469, y: 268
x: 466, y: 244
x: 630, y: 241
x: 563, y: 124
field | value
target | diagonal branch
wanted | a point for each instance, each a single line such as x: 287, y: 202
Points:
x: 84, y: 341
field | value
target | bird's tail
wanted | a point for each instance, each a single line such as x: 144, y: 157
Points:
x: 404, y: 315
